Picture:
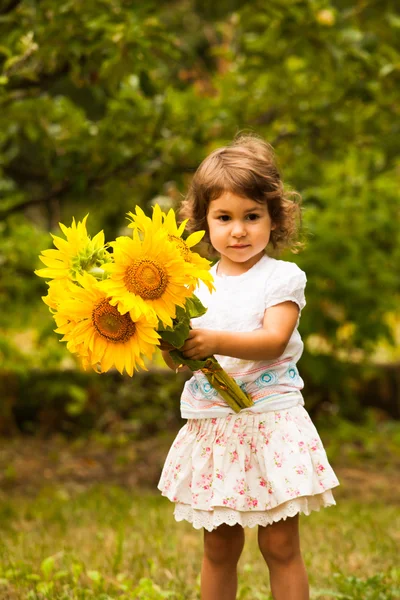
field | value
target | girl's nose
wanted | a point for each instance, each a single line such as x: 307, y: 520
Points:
x: 238, y: 229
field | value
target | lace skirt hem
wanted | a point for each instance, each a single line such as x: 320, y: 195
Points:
x: 212, y: 519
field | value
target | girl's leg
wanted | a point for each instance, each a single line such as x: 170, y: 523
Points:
x: 280, y: 546
x: 222, y: 549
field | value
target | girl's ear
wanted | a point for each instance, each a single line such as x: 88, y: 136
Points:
x: 273, y: 226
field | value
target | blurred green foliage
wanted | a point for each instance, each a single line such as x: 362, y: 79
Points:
x: 108, y: 104
x: 75, y: 403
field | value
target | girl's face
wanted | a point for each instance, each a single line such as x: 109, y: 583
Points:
x: 239, y: 230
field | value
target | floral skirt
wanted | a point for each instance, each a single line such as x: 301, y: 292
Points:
x: 247, y: 468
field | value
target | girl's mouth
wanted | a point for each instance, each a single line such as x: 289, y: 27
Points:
x: 238, y: 246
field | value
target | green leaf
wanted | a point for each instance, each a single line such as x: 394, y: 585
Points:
x: 47, y: 566
x: 194, y: 307
x: 394, y: 20
x: 177, y: 335
x: 179, y: 359
x: 95, y: 576
x: 45, y: 588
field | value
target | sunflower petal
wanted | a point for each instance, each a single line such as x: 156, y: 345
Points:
x: 194, y: 238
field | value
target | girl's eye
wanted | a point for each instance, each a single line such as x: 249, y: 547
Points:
x: 249, y: 217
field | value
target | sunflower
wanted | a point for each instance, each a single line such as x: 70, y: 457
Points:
x: 199, y: 267
x: 76, y: 254
x: 58, y: 289
x: 97, y: 331
x: 143, y: 223
x: 148, y: 275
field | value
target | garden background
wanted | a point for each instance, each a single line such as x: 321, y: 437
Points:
x: 106, y: 104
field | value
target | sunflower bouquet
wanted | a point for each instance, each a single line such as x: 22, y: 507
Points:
x: 115, y: 303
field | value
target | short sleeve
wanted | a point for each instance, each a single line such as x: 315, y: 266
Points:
x: 287, y: 283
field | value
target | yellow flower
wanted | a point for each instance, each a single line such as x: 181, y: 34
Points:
x: 199, y: 266
x: 148, y: 275
x: 96, y: 330
x: 143, y: 223
x: 58, y: 288
x: 76, y: 254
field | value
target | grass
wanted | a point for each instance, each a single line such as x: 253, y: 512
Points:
x: 83, y: 520
x: 103, y: 542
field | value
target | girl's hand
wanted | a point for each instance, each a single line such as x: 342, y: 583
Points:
x: 200, y: 344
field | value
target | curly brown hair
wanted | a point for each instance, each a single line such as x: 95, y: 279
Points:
x: 245, y: 167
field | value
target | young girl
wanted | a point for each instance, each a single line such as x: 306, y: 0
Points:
x: 266, y: 464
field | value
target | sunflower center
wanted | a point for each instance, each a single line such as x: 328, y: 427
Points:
x: 110, y: 324
x: 181, y: 245
x: 146, y: 278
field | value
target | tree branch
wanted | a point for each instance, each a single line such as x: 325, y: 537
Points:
x: 43, y: 82
x: 56, y: 193
x: 63, y: 188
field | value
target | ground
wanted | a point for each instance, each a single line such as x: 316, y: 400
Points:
x: 83, y: 518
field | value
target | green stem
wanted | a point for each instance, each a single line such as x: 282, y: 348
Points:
x: 218, y: 378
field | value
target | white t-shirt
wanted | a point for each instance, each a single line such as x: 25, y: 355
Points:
x: 238, y: 304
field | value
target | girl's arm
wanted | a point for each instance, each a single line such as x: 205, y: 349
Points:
x: 267, y: 343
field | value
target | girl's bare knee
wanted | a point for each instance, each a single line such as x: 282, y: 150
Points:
x: 279, y: 542
x: 283, y: 553
x: 224, y: 544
